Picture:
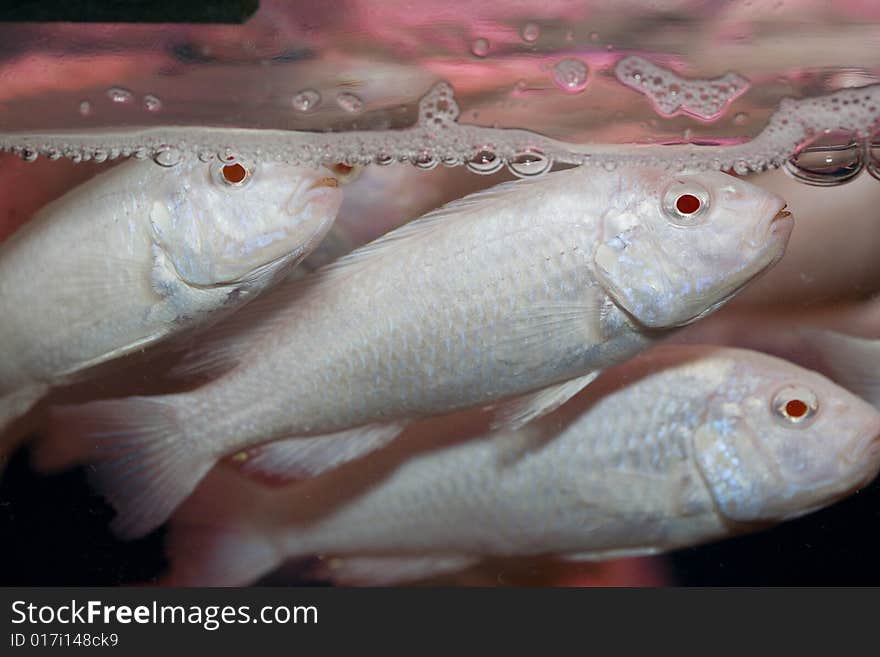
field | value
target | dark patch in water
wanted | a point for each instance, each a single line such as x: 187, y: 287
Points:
x: 55, y: 532
x: 836, y: 546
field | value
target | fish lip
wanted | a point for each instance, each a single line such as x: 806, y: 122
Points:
x: 781, y: 217
x: 778, y: 228
x: 867, y: 454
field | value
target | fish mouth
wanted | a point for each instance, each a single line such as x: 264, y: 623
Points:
x: 781, y: 221
x: 869, y: 456
x: 778, y: 229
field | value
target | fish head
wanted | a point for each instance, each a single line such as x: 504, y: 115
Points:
x: 219, y: 223
x: 779, y: 441
x: 680, y: 245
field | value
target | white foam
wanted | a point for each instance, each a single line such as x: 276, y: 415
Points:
x: 672, y: 94
x: 437, y: 136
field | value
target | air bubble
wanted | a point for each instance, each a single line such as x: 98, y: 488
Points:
x: 85, y: 107
x: 740, y: 118
x: 29, y: 155
x: 152, y: 103
x: 872, y: 155
x: 167, y: 156
x: 485, y: 162
x: 530, y: 32
x: 383, y: 159
x: 100, y: 155
x: 306, y: 100
x: 529, y: 164
x: 120, y: 95
x: 349, y: 102
x: 425, y: 161
x: 832, y: 159
x: 205, y: 156
x: 571, y: 75
x: 480, y: 47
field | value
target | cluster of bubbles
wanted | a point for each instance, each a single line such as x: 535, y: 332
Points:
x: 308, y: 100
x: 672, y: 94
x: 122, y: 96
x: 835, y: 158
x: 796, y: 130
x: 528, y: 163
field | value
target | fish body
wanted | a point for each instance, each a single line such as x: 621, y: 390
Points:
x: 504, y: 293
x: 139, y: 253
x: 677, y: 447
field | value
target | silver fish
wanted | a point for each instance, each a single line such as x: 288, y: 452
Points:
x: 139, y: 253
x: 677, y: 447
x: 506, y: 292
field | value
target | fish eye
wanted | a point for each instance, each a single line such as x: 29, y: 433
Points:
x: 795, y: 405
x: 685, y: 203
x: 232, y: 173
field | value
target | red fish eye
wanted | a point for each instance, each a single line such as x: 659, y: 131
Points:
x: 796, y: 408
x: 341, y: 168
x: 234, y: 173
x: 687, y: 204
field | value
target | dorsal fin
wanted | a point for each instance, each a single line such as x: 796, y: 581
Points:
x: 424, y: 225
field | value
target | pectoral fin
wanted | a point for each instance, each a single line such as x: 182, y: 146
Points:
x: 607, y: 555
x: 379, y: 571
x: 299, y: 458
x: 526, y: 408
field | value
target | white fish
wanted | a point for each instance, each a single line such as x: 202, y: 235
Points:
x: 506, y: 292
x: 677, y: 447
x: 141, y: 252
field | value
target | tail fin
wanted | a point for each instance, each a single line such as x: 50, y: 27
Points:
x: 214, y: 538
x: 141, y: 459
x: 852, y: 362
